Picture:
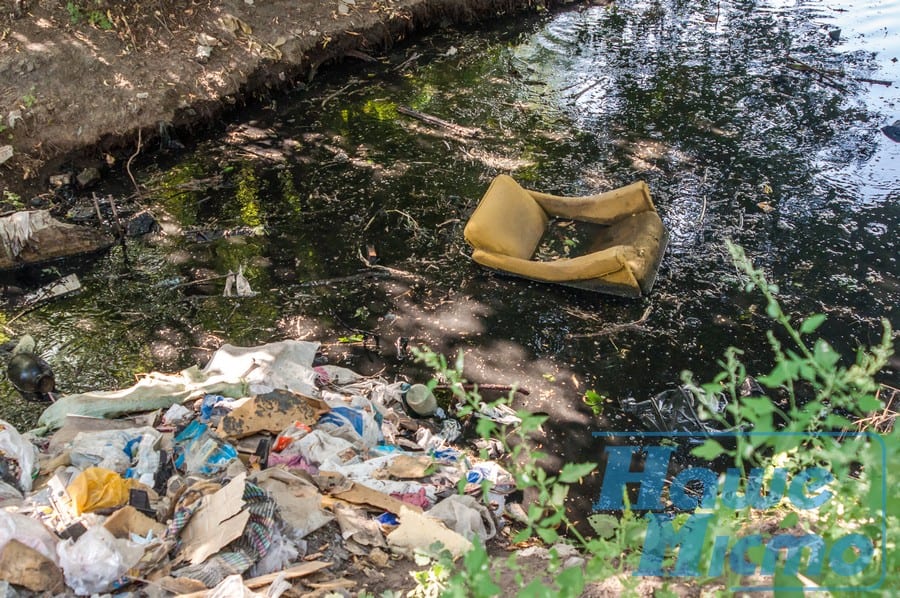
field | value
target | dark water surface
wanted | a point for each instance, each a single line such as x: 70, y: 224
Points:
x: 699, y: 99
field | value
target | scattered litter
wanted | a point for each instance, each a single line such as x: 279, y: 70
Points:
x: 17, y: 455
x: 237, y: 285
x: 225, y: 480
x: 420, y: 400
x: 13, y: 118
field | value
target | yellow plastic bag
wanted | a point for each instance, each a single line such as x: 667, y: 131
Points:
x: 98, y: 488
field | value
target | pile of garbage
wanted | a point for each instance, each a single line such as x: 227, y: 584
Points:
x: 215, y: 480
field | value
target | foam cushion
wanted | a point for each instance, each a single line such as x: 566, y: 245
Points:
x: 508, y: 221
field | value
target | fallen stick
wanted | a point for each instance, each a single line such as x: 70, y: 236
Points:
x: 439, y: 122
x: 874, y: 81
x: 392, y: 271
x: 616, y: 328
x: 342, y: 279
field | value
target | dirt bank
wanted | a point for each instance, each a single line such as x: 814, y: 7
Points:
x: 85, y: 77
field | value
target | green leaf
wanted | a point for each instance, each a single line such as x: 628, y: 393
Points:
x: 784, y: 371
x: 535, y: 589
x: 824, y: 354
x: 869, y: 403
x: 605, y: 525
x: 573, y: 472
x: 522, y: 535
x: 570, y: 582
x: 759, y: 405
x: 790, y: 520
x: 708, y: 450
x: 835, y: 422
x: 811, y: 323
x: 547, y: 534
x: 485, y: 427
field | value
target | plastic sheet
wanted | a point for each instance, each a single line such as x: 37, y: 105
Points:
x: 94, y: 562
x: 285, y: 364
x: 29, y: 532
x: 16, y: 448
x: 109, y: 449
x: 320, y: 447
x: 354, y: 424
x: 200, y: 451
x: 98, y: 488
x: 680, y: 410
x: 466, y: 516
x: 154, y: 391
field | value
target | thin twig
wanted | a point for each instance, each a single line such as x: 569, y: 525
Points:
x: 97, y: 209
x: 616, y: 328
x: 703, y: 211
x: 433, y: 120
x: 392, y: 271
x: 198, y: 281
x: 118, y: 225
x: 128, y: 166
x: 587, y: 89
x: 341, y: 279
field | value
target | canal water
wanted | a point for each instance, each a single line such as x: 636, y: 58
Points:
x: 759, y: 122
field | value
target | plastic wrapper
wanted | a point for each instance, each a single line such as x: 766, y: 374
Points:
x: 109, y: 449
x: 177, y: 414
x: 354, y: 424
x: 15, y: 448
x: 94, y: 562
x: 201, y: 451
x: 319, y: 447
x: 29, y: 532
x: 98, y: 488
x: 147, y: 461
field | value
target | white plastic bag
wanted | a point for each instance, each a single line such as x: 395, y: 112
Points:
x: 355, y: 424
x: 320, y: 448
x: 14, y: 446
x: 96, y: 560
x: 107, y: 448
x: 28, y: 531
x: 466, y: 516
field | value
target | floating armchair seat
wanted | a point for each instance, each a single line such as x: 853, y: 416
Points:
x: 624, y: 255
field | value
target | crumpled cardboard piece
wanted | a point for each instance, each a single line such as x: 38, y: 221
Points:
x: 409, y: 466
x: 271, y: 412
x: 24, y: 566
x: 358, y: 494
x: 218, y: 522
x: 358, y: 529
x: 128, y: 520
x: 299, y: 502
x: 417, y: 530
